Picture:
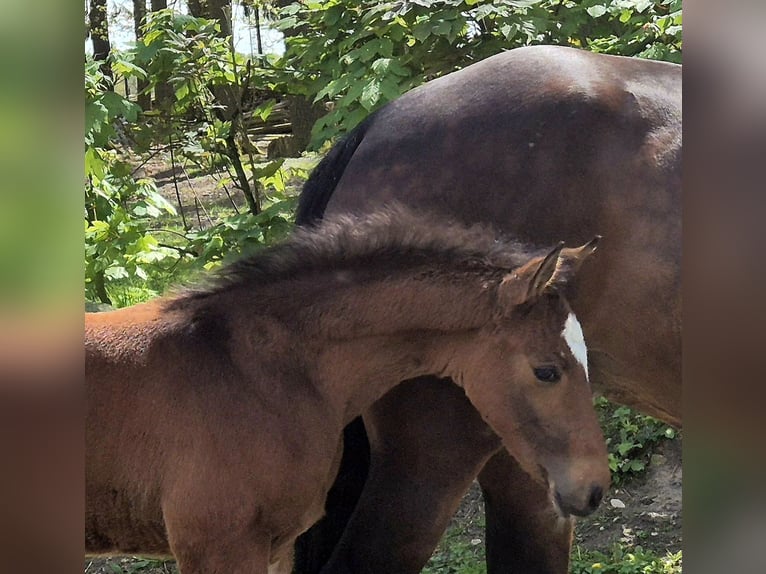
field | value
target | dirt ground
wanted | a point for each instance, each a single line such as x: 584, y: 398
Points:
x: 202, y: 197
x: 651, y: 516
x: 646, y: 511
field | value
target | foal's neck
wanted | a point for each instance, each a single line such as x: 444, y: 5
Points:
x: 355, y: 335
x: 368, y: 338
x: 355, y: 373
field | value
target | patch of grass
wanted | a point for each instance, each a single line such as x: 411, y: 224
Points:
x: 459, y: 552
x: 130, y: 565
x: 623, y: 561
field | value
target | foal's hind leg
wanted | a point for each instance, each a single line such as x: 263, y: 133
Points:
x: 427, y: 444
x: 525, y: 535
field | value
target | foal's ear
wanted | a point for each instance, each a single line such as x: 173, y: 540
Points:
x: 528, y: 281
x: 571, y: 259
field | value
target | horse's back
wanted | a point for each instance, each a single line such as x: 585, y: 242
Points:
x: 537, y: 125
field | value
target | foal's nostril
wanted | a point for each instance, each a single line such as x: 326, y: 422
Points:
x: 596, y: 494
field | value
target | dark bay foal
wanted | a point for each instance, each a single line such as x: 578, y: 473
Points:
x: 214, y: 416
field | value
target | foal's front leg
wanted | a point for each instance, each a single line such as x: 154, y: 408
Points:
x: 212, y: 535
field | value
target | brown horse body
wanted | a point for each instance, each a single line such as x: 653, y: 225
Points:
x: 538, y: 142
x: 214, y: 417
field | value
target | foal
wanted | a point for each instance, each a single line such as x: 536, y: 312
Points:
x: 215, y: 416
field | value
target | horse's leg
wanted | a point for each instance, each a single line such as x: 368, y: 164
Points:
x: 315, y: 546
x: 427, y: 443
x: 524, y: 534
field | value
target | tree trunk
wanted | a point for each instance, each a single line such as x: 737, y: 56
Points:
x: 213, y: 10
x: 139, y: 16
x: 163, y: 94
x: 303, y: 116
x: 99, y: 34
x: 303, y: 113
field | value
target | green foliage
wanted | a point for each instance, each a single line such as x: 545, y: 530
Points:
x: 188, y: 54
x: 620, y: 561
x: 239, y: 235
x: 361, y: 54
x: 119, y: 209
x: 135, y: 245
x: 630, y: 437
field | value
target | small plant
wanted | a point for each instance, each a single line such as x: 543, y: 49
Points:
x: 630, y: 437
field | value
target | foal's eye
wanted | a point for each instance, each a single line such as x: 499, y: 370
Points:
x: 549, y: 374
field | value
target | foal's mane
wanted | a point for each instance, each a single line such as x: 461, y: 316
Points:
x: 389, y: 239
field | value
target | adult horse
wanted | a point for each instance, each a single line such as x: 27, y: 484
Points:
x: 537, y: 141
x: 215, y: 416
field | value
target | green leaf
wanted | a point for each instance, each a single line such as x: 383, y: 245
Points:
x: 96, y: 115
x: 264, y: 110
x: 421, y: 31
x: 642, y: 5
x: 596, y: 11
x: 213, y: 248
x: 128, y: 69
x: 98, y: 230
x: 182, y: 91
x: 95, y: 166
x: 443, y: 28
x: 118, y: 106
x: 370, y: 94
x: 140, y: 272
x: 509, y: 31
x: 381, y: 66
x: 624, y: 448
x: 269, y: 169
x: 333, y: 88
x: 116, y: 272
x: 389, y: 89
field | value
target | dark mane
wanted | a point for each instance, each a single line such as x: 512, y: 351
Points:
x: 392, y: 238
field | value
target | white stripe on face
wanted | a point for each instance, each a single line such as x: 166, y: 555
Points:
x: 572, y: 334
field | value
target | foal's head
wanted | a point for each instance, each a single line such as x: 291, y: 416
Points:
x: 528, y: 376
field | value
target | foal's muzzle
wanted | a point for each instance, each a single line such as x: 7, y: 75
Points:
x: 591, y: 502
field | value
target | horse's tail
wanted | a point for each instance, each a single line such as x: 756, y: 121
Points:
x: 321, y: 183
